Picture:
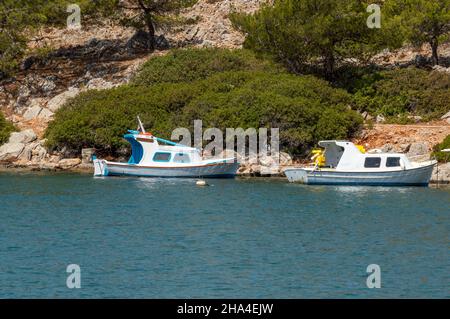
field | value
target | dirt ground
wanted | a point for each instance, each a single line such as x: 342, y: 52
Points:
x: 399, y: 136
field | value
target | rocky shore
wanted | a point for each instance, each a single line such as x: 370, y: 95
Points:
x: 100, y: 58
x: 33, y: 157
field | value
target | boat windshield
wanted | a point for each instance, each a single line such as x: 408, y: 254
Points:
x: 333, y: 155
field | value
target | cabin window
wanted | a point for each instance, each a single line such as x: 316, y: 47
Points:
x: 372, y: 162
x: 182, y: 158
x: 393, y: 162
x: 162, y: 157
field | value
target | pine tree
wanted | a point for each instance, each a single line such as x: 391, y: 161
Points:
x: 305, y: 33
x: 427, y: 21
x: 148, y: 14
x: 19, y: 19
x: 16, y: 16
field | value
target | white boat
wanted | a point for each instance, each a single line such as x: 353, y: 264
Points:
x: 343, y: 163
x: 150, y: 158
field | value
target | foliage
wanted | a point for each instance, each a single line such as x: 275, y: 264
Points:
x: 306, y: 109
x: 5, y: 129
x: 19, y: 19
x: 438, y: 154
x: 15, y: 17
x: 402, y: 92
x: 303, y: 34
x: 190, y: 65
x: 426, y: 22
x: 147, y: 14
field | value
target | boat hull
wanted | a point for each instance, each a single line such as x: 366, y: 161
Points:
x: 419, y: 176
x: 219, y: 170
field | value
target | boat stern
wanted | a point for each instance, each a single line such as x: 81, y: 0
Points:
x: 100, y: 167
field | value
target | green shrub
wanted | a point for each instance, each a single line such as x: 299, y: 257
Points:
x: 5, y: 129
x: 100, y: 118
x: 306, y: 109
x: 195, y: 64
x: 438, y: 154
x: 402, y: 92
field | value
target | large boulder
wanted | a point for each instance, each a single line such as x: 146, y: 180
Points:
x: 268, y: 161
x: 285, y: 159
x: 32, y: 113
x: 441, y: 173
x: 38, y: 154
x: 45, y: 114
x: 23, y: 137
x: 68, y: 163
x: 55, y: 103
x: 11, y: 151
x: 34, y: 152
x: 419, y: 152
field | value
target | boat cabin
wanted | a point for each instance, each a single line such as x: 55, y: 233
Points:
x: 346, y: 156
x: 146, y: 149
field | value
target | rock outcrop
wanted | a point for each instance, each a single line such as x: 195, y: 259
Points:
x: 213, y: 27
x: 441, y: 174
x: 11, y: 151
x: 419, y: 152
x: 265, y: 165
x: 17, y: 146
x: 57, y: 101
x: 439, y: 68
x: 412, y: 139
x: 446, y: 117
x: 68, y: 163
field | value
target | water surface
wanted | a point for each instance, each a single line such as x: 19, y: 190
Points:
x: 244, y: 238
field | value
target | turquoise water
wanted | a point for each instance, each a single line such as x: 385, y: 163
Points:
x: 244, y: 238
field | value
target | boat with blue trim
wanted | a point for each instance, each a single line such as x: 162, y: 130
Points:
x: 156, y: 157
x: 343, y: 163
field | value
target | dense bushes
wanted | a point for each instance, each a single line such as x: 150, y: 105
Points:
x: 253, y: 94
x: 189, y: 65
x: 402, y: 92
x: 5, y: 129
x: 438, y: 154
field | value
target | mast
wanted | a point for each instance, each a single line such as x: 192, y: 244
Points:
x: 141, y: 126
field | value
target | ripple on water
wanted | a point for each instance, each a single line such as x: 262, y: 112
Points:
x: 249, y: 238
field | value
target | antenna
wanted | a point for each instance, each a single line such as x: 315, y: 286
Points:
x: 141, y: 126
